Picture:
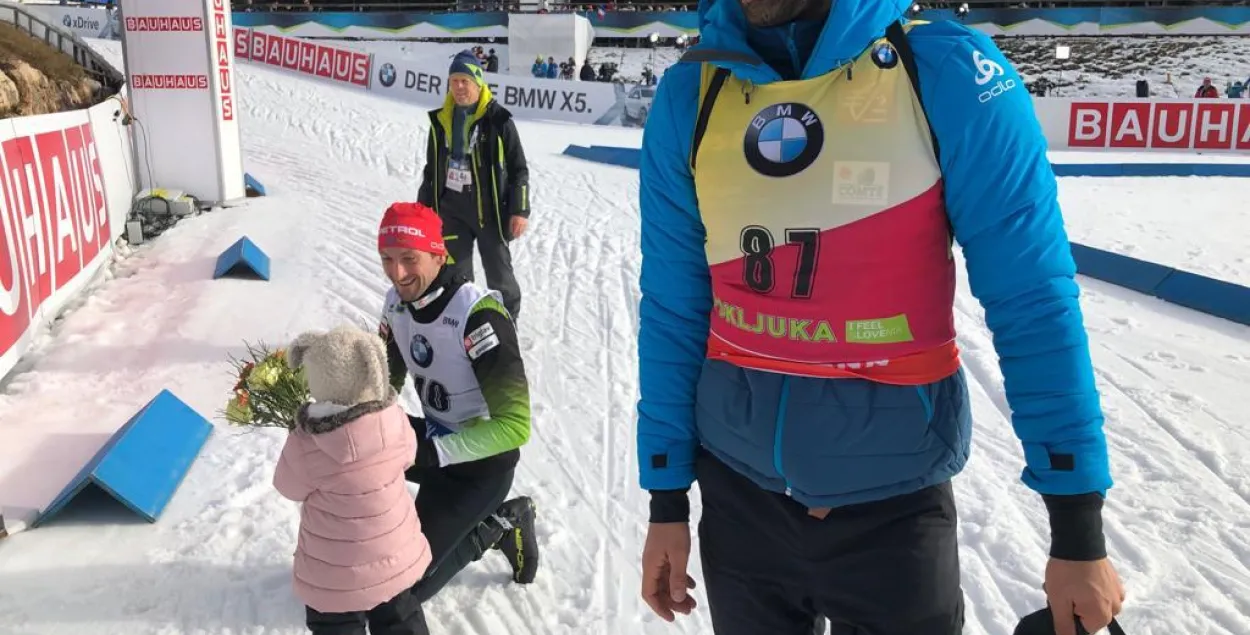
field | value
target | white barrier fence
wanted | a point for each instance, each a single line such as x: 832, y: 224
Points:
x: 423, y: 83
x: 66, y: 185
x: 65, y: 191
x: 1146, y: 125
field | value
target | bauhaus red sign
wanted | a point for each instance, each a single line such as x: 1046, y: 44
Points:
x: 1179, y: 125
x: 53, y: 220
x: 301, y: 56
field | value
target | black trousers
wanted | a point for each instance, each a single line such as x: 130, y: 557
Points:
x: 452, y: 503
x: 401, y: 615
x: 461, y: 229
x: 884, y: 568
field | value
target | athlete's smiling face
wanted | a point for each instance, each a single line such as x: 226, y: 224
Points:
x: 410, y: 270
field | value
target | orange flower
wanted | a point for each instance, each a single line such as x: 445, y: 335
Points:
x: 243, y: 397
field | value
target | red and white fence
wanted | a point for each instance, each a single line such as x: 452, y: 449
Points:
x: 65, y: 190
x: 1146, y: 125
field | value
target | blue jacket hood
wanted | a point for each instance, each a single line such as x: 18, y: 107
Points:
x: 852, y: 25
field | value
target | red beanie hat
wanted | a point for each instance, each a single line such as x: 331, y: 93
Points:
x: 412, y: 226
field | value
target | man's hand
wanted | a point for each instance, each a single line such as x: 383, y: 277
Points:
x: 664, y: 579
x: 517, y: 226
x: 1090, y: 590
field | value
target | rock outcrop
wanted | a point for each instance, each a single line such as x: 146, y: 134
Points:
x: 37, y: 79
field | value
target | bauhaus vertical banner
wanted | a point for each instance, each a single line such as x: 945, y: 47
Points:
x: 180, y: 74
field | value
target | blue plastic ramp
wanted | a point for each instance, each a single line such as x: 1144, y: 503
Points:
x: 253, y: 187
x: 620, y: 157
x: 1241, y: 170
x: 1200, y: 293
x: 143, y: 463
x: 242, y: 259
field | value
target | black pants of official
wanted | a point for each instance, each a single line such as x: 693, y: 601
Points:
x: 452, y: 503
x: 461, y: 229
x: 401, y: 615
x: 883, y: 568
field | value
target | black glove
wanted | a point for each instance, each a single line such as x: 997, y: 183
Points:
x: 427, y: 453
x: 1043, y: 623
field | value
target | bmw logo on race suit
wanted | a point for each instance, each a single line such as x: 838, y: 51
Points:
x: 422, y: 352
x: 783, y: 139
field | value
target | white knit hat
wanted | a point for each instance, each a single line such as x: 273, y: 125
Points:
x: 346, y: 366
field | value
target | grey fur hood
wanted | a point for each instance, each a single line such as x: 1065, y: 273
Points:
x: 320, y: 418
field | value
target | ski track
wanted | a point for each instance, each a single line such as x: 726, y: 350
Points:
x: 1178, y: 522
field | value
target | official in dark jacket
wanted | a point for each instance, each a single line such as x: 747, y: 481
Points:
x: 476, y: 178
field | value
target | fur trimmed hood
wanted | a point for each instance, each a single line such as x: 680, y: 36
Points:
x: 320, y: 418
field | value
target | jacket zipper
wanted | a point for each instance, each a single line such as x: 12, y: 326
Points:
x: 477, y: 190
x: 793, y: 49
x: 494, y: 185
x: 439, y: 168
x: 782, y: 403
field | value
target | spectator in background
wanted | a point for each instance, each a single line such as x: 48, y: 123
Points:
x: 1235, y: 90
x: 1207, y: 90
x: 553, y: 69
x: 477, y: 179
x: 492, y: 62
x: 539, y: 69
x: 588, y: 72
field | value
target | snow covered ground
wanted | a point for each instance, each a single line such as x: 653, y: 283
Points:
x: 218, y: 562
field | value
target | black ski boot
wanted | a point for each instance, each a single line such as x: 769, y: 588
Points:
x: 519, y: 543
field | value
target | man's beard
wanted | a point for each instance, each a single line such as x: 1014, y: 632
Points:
x: 766, y: 13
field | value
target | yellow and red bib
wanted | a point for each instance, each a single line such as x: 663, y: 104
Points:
x: 827, y: 233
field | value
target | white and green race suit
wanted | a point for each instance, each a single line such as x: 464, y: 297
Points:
x: 460, y: 346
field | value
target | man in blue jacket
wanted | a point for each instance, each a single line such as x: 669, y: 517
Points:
x: 804, y: 173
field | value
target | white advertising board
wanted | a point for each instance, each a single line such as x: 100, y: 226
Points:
x: 332, y: 63
x: 1146, y: 125
x: 179, y: 61
x: 96, y: 22
x: 424, y: 82
x: 65, y: 190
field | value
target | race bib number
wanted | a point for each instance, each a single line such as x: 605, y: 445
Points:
x: 459, y: 175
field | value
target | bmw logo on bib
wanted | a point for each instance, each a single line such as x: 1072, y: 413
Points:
x: 783, y: 139
x: 422, y: 352
x: 884, y: 56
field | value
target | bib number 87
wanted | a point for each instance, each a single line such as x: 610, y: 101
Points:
x: 758, y: 271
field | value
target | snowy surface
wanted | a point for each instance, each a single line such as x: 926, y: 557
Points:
x: 1173, y: 384
x: 1202, y: 225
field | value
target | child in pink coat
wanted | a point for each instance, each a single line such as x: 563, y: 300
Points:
x: 360, y: 548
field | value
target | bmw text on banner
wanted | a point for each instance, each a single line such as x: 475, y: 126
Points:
x: 598, y: 103
x: 425, y: 83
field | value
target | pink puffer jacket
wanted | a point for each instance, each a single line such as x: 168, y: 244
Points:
x: 360, y: 541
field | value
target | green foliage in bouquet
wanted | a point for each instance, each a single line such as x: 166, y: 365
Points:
x: 267, y: 391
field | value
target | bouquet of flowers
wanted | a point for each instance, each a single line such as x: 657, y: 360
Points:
x: 267, y: 391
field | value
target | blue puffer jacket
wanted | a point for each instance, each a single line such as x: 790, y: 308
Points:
x: 831, y: 442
